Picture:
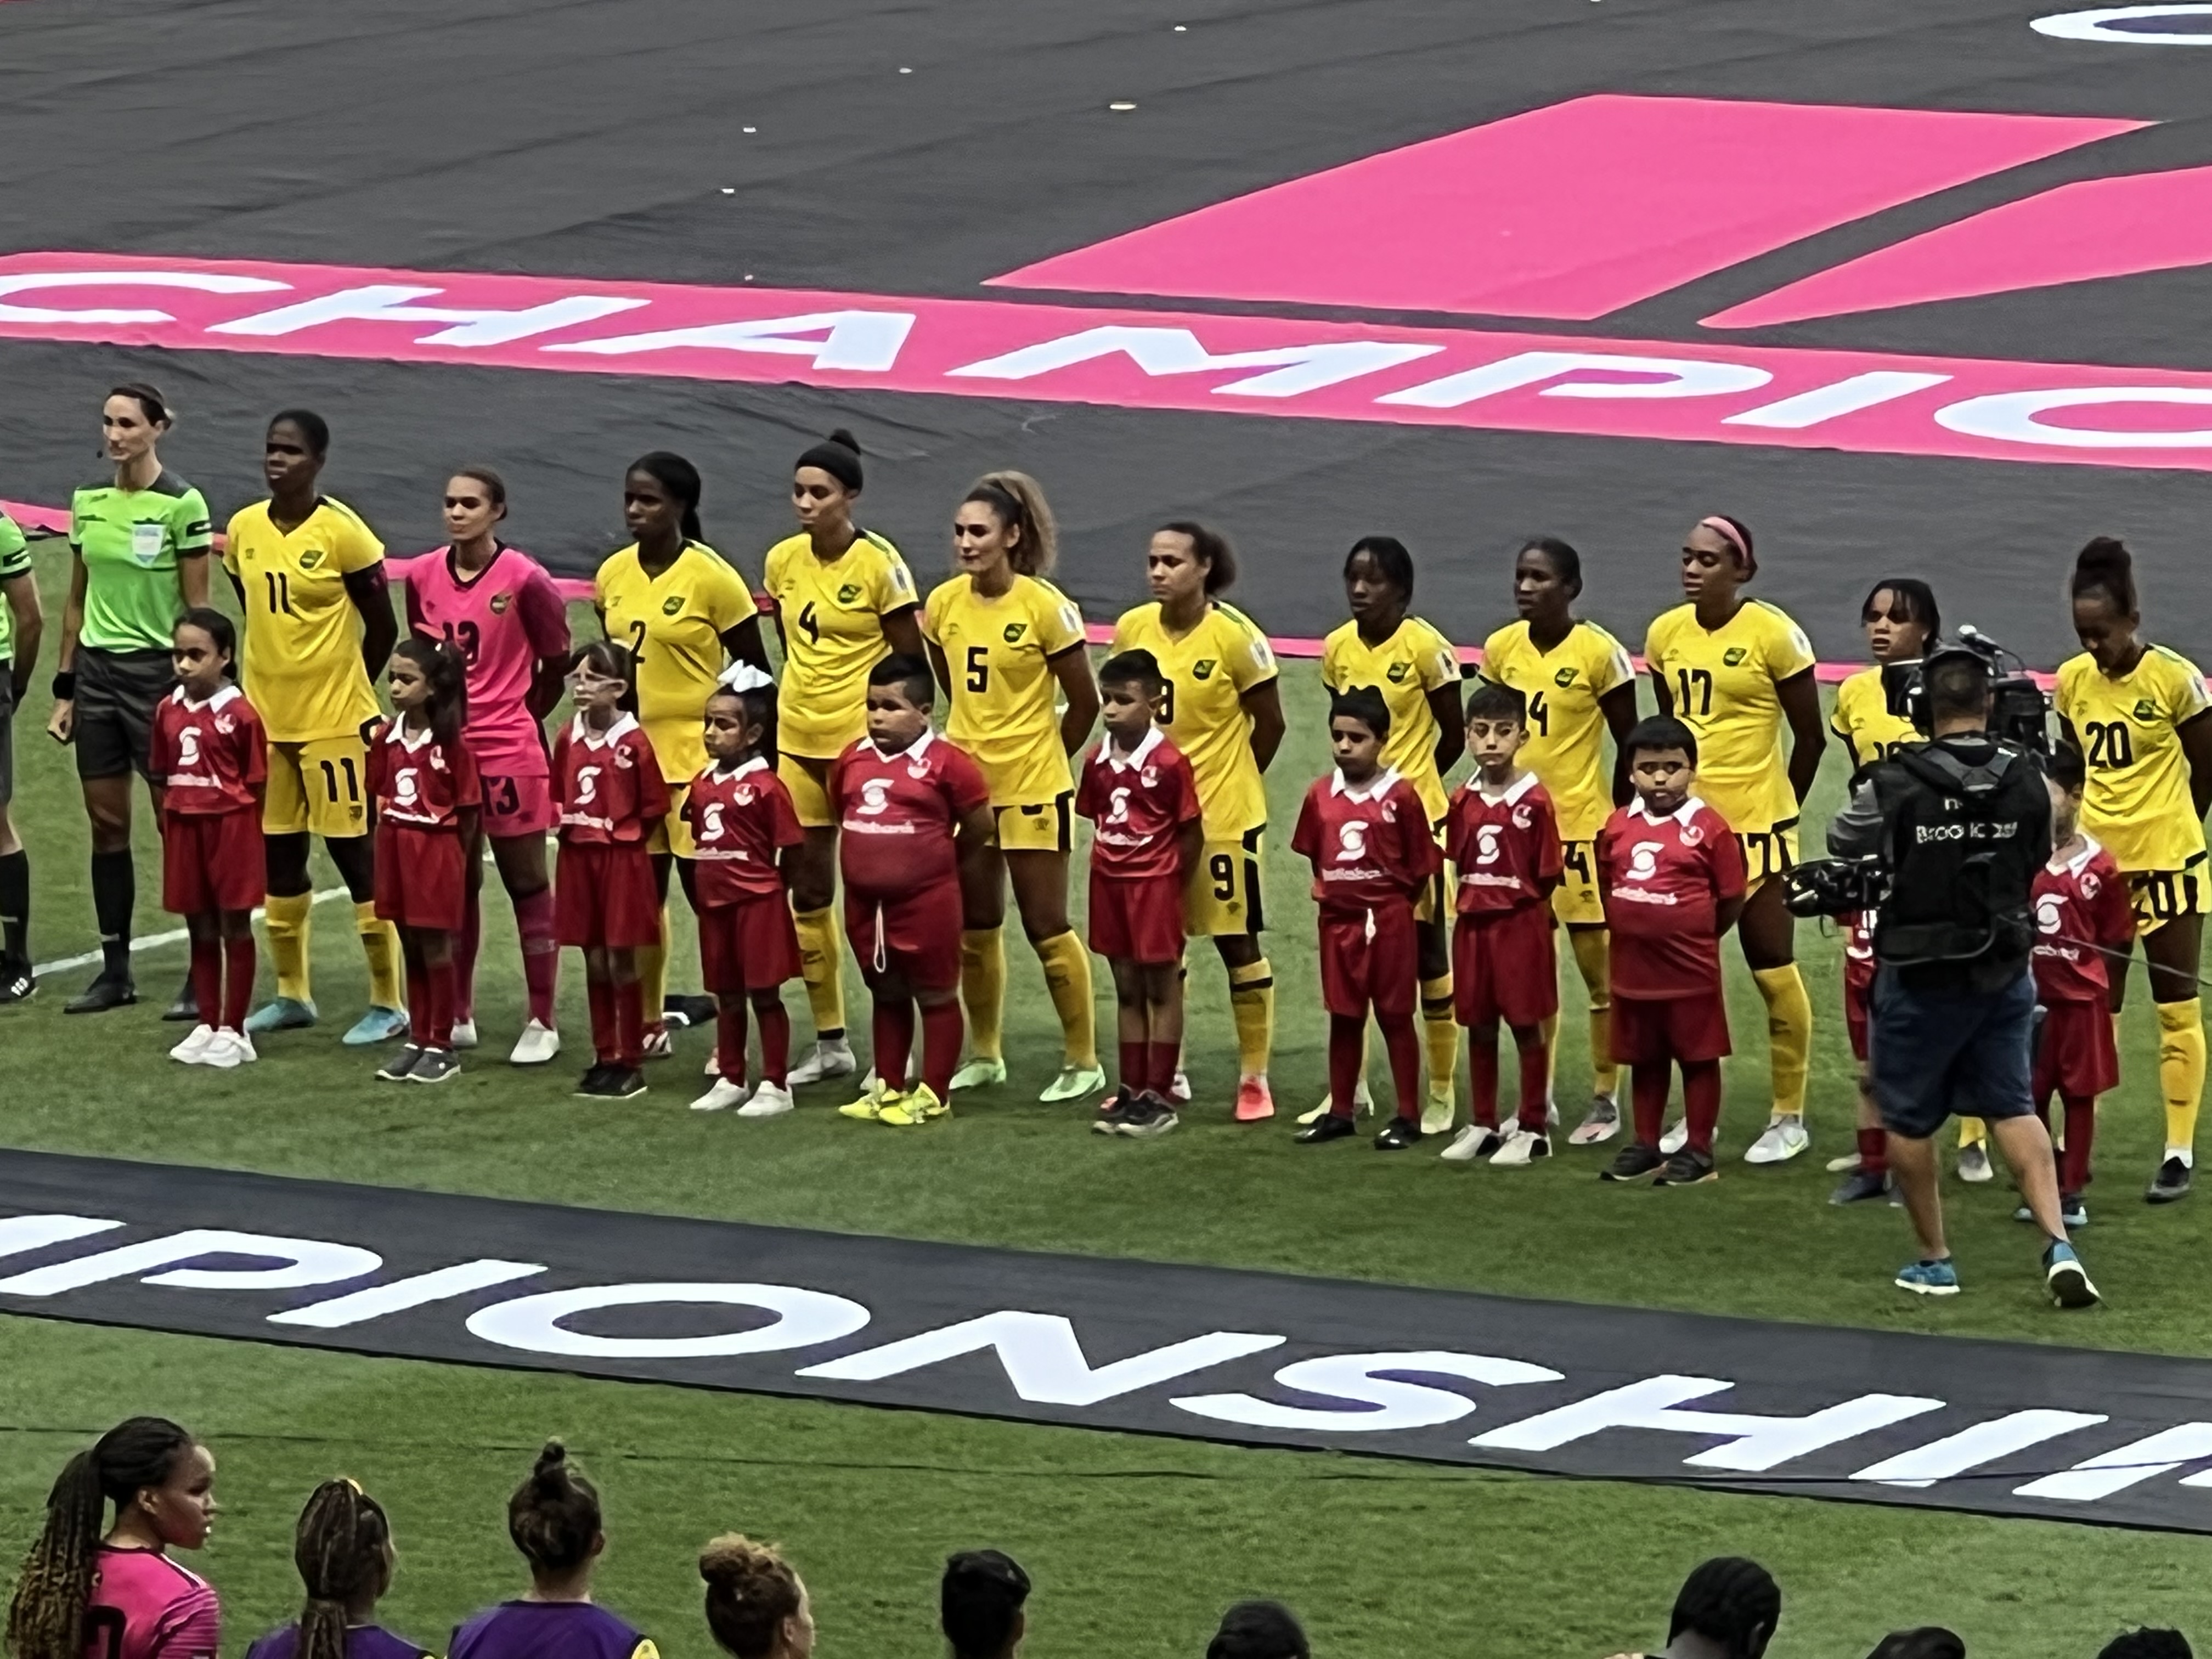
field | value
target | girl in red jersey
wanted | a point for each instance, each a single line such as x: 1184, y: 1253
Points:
x: 207, y: 753
x: 427, y: 796
x: 745, y: 827
x: 607, y: 782
x: 85, y: 1595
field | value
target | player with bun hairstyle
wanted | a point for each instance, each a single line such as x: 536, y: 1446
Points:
x: 344, y: 1551
x: 554, y: 1519
x: 757, y: 1605
x: 1007, y: 645
x: 2137, y: 713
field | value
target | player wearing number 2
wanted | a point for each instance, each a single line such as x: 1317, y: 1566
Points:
x: 1735, y: 671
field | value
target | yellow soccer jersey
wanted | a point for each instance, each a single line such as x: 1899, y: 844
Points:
x: 303, y: 665
x: 2137, y: 802
x: 1000, y: 652
x: 833, y: 634
x: 1405, y: 668
x: 673, y: 624
x: 1208, y: 671
x: 1863, y: 721
x: 1723, y: 684
x: 1566, y: 726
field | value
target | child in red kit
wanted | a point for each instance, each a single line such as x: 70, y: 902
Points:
x: 744, y: 825
x: 208, y: 755
x: 1140, y: 796
x: 909, y: 808
x: 1366, y: 835
x: 1671, y: 874
x: 1504, y: 838
x: 424, y: 782
x: 607, y: 782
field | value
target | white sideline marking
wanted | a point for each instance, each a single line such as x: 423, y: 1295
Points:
x: 149, y: 942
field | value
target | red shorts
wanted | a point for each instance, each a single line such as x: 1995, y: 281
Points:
x: 1360, y: 968
x: 1137, y: 918
x: 1656, y: 1031
x: 516, y: 806
x: 213, y: 861
x: 2075, y: 1057
x: 1503, y: 968
x: 1857, y: 989
x: 751, y: 945
x: 421, y: 877
x: 605, y: 897
x: 915, y: 935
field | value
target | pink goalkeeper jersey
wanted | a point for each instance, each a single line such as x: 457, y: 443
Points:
x: 502, y: 620
x: 144, y: 1606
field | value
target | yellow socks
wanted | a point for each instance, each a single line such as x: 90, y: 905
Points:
x: 1789, y: 1034
x: 821, y: 965
x: 983, y: 989
x: 1971, y: 1131
x: 1440, y: 1032
x: 1593, y: 949
x: 379, y: 943
x: 653, y: 975
x: 1252, y: 1005
x: 2181, y: 1072
x: 1068, y: 978
x: 288, y: 921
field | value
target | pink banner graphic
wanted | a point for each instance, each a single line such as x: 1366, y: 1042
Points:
x: 1705, y: 391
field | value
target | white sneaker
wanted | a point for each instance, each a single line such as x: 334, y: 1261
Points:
x: 767, y: 1101
x: 464, y: 1034
x: 192, y: 1051
x: 1439, y: 1112
x: 659, y: 1042
x: 1471, y: 1143
x: 1522, y: 1147
x: 227, y: 1051
x: 1974, y: 1162
x: 1676, y: 1137
x: 1363, y: 1105
x: 828, y: 1060
x: 1782, y: 1139
x: 724, y: 1095
x: 714, y: 1066
x: 1844, y: 1165
x: 538, y: 1043
x: 1179, y: 1090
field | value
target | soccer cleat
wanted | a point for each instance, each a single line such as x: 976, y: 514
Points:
x: 106, y: 992
x: 917, y: 1106
x: 396, y: 1069
x: 1858, y: 1187
x: 464, y: 1034
x: 1073, y: 1083
x: 625, y: 1082
x: 1363, y: 1105
x: 1929, y: 1277
x: 184, y: 1010
x: 229, y: 1051
x: 660, y: 1043
x: 767, y: 1101
x: 537, y: 1044
x: 1149, y: 1117
x: 831, y: 1058
x: 1843, y: 1165
x: 1179, y: 1087
x: 2169, y: 1184
x: 1112, y: 1114
x: 1467, y: 1146
x: 1255, y: 1104
x: 1634, y: 1162
x: 1676, y: 1136
x: 194, y: 1047
x: 1687, y: 1168
x: 870, y: 1106
x: 377, y: 1025
x: 1783, y: 1139
x: 1600, y: 1124
x: 280, y: 1014
x: 1439, y: 1113
x: 436, y: 1066
x: 723, y: 1096
x: 1522, y: 1147
x: 2065, y: 1277
x: 1397, y: 1135
x: 1331, y: 1128
x: 17, y: 983
x: 1974, y: 1163
x: 983, y: 1072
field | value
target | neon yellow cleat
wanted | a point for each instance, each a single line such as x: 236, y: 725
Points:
x: 919, y: 1105
x: 1073, y: 1082
x: 983, y: 1072
x: 869, y: 1108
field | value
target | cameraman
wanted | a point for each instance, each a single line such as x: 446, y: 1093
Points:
x: 1961, y: 823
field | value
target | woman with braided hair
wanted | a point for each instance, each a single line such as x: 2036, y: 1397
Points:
x: 343, y: 1551
x: 554, y: 1520
x: 1728, y: 1609
x: 88, y: 1594
x: 757, y: 1605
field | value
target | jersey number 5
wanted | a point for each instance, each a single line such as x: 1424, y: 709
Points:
x: 2110, y: 743
x: 979, y: 668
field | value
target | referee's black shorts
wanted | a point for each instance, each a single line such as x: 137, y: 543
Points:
x: 117, y: 692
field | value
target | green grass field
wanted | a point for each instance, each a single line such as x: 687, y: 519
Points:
x: 1136, y: 1544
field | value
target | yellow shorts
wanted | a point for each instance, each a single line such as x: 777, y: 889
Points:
x: 1222, y: 895
x: 1435, y: 903
x: 672, y: 834
x: 1576, y: 901
x: 808, y: 780
x: 2157, y: 896
x: 1767, y: 852
x: 1047, y: 827
x: 317, y: 788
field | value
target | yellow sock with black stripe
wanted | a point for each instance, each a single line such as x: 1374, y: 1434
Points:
x: 1971, y: 1132
x: 2181, y: 1074
x: 821, y: 967
x: 1593, y: 949
x: 1252, y: 1005
x: 983, y: 989
x: 379, y: 943
x: 288, y: 920
x: 1068, y: 979
x: 653, y: 975
x: 1789, y: 1034
x: 1440, y: 1032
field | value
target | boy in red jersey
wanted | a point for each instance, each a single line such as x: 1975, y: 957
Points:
x: 909, y: 808
x: 607, y: 783
x: 1366, y: 835
x: 1503, y: 836
x: 1139, y: 793
x: 744, y: 825
x: 208, y: 755
x: 1671, y: 874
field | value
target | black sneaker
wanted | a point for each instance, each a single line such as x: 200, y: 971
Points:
x: 436, y: 1066
x: 186, y: 1009
x: 401, y: 1066
x: 1148, y: 1116
x: 1327, y: 1127
x: 1634, y: 1162
x: 2169, y: 1184
x: 108, y: 991
x: 1858, y: 1187
x: 592, y: 1085
x: 1687, y: 1168
x: 1114, y: 1113
x: 1397, y: 1135
x: 17, y: 983
x: 624, y: 1083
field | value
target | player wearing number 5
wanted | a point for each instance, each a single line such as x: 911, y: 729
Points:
x: 1007, y: 645
x: 1735, y: 671
x: 318, y: 627
x: 2137, y: 714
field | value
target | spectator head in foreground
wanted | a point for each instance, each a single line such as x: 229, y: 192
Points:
x: 1728, y: 1609
x: 2148, y: 1644
x: 757, y: 1605
x: 1928, y: 1642
x: 1259, y: 1630
x: 979, y: 1605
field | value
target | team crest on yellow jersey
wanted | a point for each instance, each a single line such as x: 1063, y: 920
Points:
x: 1202, y: 669
x: 311, y: 558
x: 2145, y: 709
x: 672, y: 605
x: 848, y: 593
x: 1398, y: 672
x: 1734, y: 656
x: 1014, y: 631
x: 1563, y: 678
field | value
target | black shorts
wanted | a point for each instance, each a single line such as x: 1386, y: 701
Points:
x: 7, y: 730
x: 116, y: 694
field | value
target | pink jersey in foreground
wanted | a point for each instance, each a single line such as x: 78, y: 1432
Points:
x: 144, y: 1606
x: 502, y: 620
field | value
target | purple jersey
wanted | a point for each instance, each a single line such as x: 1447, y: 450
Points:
x: 502, y: 621
x: 363, y: 1642
x: 549, y: 1630
x: 144, y: 1606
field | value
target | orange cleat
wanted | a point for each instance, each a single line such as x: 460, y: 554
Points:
x: 1253, y: 1104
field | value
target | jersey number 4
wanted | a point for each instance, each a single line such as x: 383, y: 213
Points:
x: 2110, y: 743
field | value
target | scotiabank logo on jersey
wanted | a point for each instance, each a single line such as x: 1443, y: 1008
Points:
x: 1571, y: 212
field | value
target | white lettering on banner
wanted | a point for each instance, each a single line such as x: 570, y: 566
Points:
x: 2010, y: 415
x: 1395, y: 1405
x: 2093, y: 25
x: 1177, y: 351
x: 20, y: 1234
x: 1984, y: 1442
x: 1828, y: 403
x: 860, y: 342
x: 374, y: 1302
x: 803, y: 1318
x: 203, y: 282
x: 306, y: 1261
x: 388, y: 303
x: 1043, y: 1360
x: 2124, y: 1466
x: 1755, y: 1443
x: 1678, y: 377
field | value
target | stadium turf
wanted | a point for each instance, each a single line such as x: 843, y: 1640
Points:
x: 1136, y: 1544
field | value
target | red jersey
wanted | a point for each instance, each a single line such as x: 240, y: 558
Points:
x: 1663, y: 880
x: 418, y: 782
x: 504, y: 620
x: 608, y: 783
x: 208, y: 756
x: 1370, y: 848
x: 2080, y: 903
x: 1506, y: 847
x: 741, y: 821
x: 1138, y: 803
x: 899, y: 813
x: 144, y: 1606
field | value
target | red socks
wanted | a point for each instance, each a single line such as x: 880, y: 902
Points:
x: 1701, y: 1101
x: 729, y: 1038
x: 541, y: 953
x: 1647, y: 1091
x: 1874, y: 1151
x: 418, y: 998
x: 629, y: 1025
x: 1347, y: 1042
x: 894, y: 1034
x: 1136, y: 1066
x: 600, y: 994
x: 206, y: 979
x: 941, y: 1031
x: 238, y: 983
x: 1535, y: 1079
x: 1482, y: 1082
x: 1404, y: 1046
x: 775, y: 1043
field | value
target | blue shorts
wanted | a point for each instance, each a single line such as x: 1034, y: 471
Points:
x: 1935, y: 1053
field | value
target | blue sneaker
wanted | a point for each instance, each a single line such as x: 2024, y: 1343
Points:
x: 2065, y: 1277
x: 377, y: 1025
x: 280, y: 1014
x: 1928, y: 1277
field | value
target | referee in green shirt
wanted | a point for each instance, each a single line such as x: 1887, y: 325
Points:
x: 20, y: 624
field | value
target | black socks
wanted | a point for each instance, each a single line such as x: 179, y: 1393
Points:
x: 112, y: 885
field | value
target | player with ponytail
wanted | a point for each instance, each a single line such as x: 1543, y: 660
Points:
x: 344, y: 1551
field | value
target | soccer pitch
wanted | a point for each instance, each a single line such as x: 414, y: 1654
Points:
x: 1136, y: 1544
